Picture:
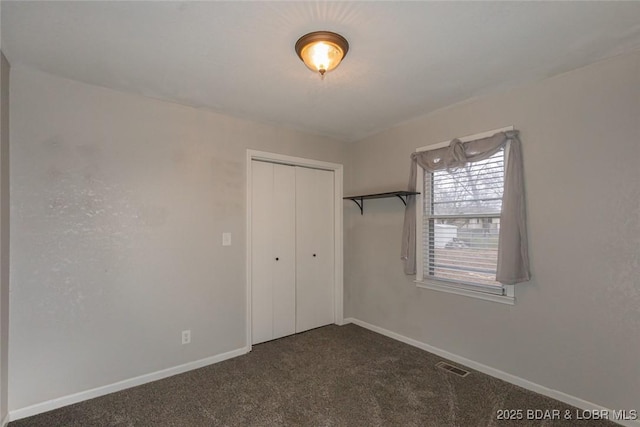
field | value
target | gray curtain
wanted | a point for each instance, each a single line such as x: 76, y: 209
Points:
x: 513, y: 254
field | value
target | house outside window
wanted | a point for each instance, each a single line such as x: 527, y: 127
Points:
x: 458, y: 226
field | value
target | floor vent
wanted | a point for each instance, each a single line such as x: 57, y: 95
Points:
x: 453, y: 369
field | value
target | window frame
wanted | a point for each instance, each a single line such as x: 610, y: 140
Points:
x: 508, y: 291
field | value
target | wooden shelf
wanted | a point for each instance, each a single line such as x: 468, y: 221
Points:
x: 402, y: 195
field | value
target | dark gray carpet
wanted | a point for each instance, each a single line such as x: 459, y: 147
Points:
x: 332, y: 376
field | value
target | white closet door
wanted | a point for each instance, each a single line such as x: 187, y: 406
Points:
x: 272, y: 251
x: 314, y: 248
x: 261, y: 248
x: 284, y: 240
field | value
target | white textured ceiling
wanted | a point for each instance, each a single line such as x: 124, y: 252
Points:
x: 405, y: 59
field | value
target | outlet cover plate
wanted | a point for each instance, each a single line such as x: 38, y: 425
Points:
x: 186, y: 336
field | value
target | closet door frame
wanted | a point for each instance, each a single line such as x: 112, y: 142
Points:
x: 337, y: 226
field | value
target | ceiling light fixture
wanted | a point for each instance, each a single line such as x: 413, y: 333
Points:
x: 322, y: 51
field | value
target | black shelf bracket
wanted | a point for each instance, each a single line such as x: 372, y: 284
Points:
x: 404, y: 199
x: 360, y: 205
x: 359, y: 200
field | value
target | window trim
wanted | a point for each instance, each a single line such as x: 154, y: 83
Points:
x: 508, y: 296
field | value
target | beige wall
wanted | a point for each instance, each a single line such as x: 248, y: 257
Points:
x: 118, y: 206
x: 574, y: 327
x: 4, y: 233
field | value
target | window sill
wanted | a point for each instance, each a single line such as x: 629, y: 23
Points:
x: 439, y: 286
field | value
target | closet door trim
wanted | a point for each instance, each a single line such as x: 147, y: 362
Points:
x: 337, y: 225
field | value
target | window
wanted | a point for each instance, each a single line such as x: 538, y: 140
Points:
x: 458, y: 227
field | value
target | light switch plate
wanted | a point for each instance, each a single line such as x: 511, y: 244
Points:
x: 226, y: 239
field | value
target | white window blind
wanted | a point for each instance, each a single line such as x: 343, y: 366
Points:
x: 461, y: 223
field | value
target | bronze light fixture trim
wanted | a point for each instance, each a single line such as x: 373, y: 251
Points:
x: 322, y: 51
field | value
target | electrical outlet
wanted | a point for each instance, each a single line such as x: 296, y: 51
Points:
x: 226, y: 239
x: 186, y: 336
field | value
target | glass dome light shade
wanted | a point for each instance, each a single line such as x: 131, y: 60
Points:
x: 322, y: 51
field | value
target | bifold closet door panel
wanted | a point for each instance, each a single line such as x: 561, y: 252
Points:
x: 262, y: 264
x: 273, y: 270
x: 284, y: 240
x: 314, y: 248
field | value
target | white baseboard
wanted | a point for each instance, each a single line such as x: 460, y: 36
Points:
x: 521, y: 382
x: 49, y: 405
